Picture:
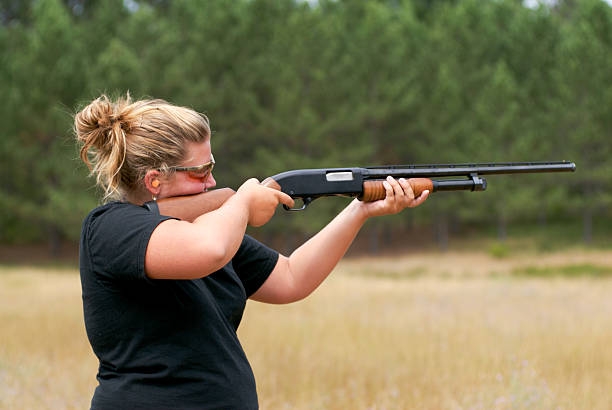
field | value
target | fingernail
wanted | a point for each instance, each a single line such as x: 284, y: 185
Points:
x: 386, y: 185
x: 402, y: 180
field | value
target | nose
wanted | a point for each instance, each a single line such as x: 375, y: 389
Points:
x: 210, y: 181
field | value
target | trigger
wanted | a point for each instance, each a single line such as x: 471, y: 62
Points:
x: 305, y: 202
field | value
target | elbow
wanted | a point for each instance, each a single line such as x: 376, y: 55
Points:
x: 294, y: 291
x: 212, y: 257
x: 297, y: 298
x: 284, y: 298
x: 296, y: 294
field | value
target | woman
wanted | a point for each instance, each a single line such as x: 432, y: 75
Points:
x: 163, y: 297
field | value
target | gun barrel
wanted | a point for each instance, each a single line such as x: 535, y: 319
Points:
x: 468, y: 184
x: 442, y: 170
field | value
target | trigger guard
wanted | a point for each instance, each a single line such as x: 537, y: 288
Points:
x: 306, y: 201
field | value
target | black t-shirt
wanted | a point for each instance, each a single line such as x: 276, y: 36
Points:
x: 164, y: 343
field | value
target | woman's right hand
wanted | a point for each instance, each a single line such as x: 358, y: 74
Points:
x: 261, y: 201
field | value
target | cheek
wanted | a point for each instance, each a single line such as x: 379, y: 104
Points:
x: 193, y: 184
x: 187, y: 185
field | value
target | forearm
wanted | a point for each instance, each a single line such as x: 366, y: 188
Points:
x: 312, y: 262
x: 225, y: 227
x: 184, y: 250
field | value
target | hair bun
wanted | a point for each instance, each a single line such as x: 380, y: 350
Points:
x: 98, y: 124
x: 108, y: 121
x: 99, y: 128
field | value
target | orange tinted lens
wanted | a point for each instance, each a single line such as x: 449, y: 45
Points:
x: 204, y: 172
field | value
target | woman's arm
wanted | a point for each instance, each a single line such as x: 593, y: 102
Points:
x: 297, y: 276
x: 185, y: 250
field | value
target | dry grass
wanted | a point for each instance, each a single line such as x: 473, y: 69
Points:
x: 472, y: 264
x: 45, y: 358
x: 451, y: 337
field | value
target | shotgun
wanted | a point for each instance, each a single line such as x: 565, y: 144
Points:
x: 366, y: 184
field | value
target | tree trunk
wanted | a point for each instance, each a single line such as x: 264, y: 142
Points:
x: 374, y: 240
x: 543, y: 218
x: 441, y: 231
x: 54, y: 241
x: 587, y: 223
x: 502, y: 228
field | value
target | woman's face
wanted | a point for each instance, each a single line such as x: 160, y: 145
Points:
x: 186, y: 182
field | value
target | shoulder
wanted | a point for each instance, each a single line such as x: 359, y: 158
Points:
x: 116, y: 209
x: 114, y: 239
x: 119, y: 221
x: 119, y: 213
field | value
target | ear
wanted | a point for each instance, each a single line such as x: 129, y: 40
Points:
x: 152, y: 181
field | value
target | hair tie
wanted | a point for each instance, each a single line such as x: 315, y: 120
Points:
x: 102, y: 123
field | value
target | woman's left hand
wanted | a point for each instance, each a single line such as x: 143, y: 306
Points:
x: 399, y: 196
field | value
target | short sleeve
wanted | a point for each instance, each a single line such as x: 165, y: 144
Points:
x: 253, y: 263
x: 116, y: 237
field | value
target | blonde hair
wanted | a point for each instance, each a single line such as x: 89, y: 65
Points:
x: 122, y: 140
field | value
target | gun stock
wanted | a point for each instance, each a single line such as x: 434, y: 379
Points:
x: 189, y: 207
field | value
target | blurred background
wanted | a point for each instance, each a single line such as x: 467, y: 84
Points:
x: 297, y: 84
x: 490, y: 300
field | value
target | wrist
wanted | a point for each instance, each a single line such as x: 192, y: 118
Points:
x: 241, y: 203
x: 358, y: 210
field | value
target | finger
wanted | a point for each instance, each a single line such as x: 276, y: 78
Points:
x: 285, y: 199
x: 390, y: 193
x: 407, y: 188
x: 421, y: 198
x: 397, y: 188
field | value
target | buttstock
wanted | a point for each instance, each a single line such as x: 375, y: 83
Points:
x: 374, y: 190
x: 189, y: 207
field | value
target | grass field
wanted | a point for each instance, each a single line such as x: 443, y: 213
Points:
x: 427, y: 331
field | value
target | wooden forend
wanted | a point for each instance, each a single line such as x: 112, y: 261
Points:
x: 374, y: 190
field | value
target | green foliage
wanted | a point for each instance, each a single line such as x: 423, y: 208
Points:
x: 499, y: 250
x: 292, y: 84
x: 584, y: 270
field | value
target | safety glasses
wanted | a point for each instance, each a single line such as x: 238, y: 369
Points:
x: 199, y: 171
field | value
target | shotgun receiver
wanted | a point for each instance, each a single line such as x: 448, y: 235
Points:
x: 365, y: 184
